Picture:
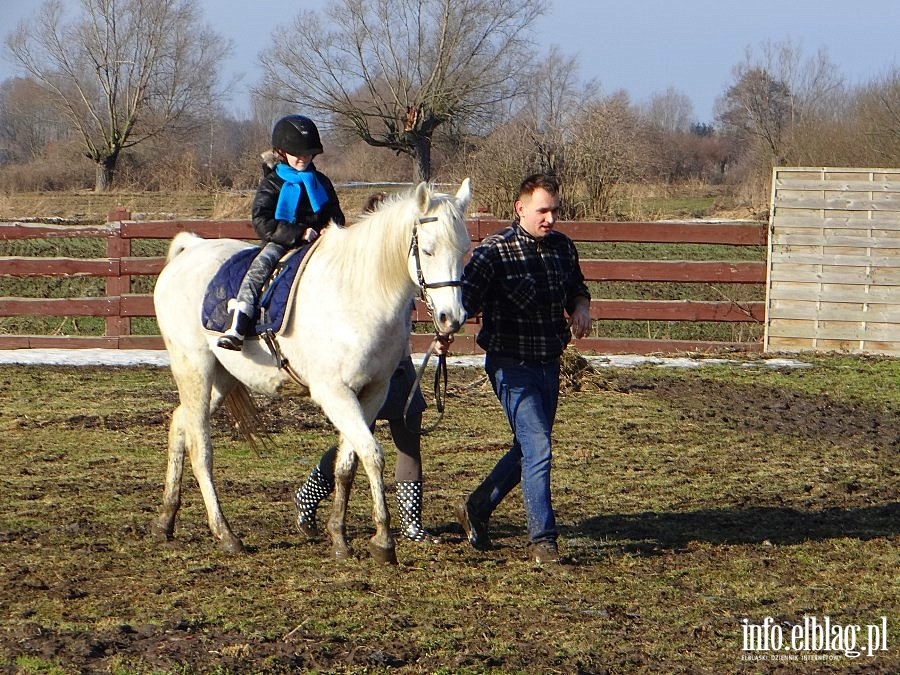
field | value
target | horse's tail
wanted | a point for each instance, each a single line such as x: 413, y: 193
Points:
x: 246, y: 416
x: 180, y: 242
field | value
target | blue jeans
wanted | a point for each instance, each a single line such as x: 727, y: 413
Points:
x: 528, y: 392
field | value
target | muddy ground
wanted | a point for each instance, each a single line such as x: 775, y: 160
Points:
x: 77, y: 590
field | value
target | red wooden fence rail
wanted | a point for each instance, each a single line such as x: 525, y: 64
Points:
x: 120, y: 305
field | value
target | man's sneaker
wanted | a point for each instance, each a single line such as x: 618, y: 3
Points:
x: 475, y: 528
x: 544, y: 552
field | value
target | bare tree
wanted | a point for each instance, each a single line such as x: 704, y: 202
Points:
x: 773, y: 92
x: 877, y: 109
x: 667, y: 119
x: 608, y: 149
x: 393, y: 71
x: 26, y: 125
x: 757, y: 107
x: 555, y: 104
x: 537, y: 135
x: 499, y: 161
x: 553, y: 109
x: 121, y: 71
x: 670, y: 111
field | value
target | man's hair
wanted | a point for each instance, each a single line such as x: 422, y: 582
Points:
x: 545, y: 181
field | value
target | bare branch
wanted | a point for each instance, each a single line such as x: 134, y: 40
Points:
x: 393, y: 71
x: 121, y: 71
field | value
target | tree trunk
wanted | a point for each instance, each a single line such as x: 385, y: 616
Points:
x: 422, y: 158
x: 106, y: 168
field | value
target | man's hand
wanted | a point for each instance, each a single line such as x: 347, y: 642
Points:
x: 441, y: 344
x: 580, y: 319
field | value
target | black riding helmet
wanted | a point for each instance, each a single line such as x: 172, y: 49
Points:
x: 296, y: 135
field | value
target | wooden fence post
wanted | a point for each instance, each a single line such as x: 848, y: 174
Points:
x: 117, y: 248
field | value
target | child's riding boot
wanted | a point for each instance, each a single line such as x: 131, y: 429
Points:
x: 307, y: 499
x: 241, y: 315
x: 409, y: 508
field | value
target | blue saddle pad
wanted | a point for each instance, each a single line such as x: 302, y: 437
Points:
x: 273, y: 303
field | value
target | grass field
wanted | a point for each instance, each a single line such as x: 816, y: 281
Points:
x: 690, y: 502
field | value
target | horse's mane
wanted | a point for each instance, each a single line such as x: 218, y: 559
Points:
x: 384, y: 234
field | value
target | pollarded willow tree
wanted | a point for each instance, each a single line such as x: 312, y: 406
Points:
x: 393, y: 71
x: 121, y: 71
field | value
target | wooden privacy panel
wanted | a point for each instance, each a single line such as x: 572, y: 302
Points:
x: 833, y: 278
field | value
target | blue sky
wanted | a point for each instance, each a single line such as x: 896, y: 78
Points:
x: 640, y: 46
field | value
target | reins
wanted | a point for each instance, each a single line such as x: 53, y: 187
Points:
x: 440, y: 374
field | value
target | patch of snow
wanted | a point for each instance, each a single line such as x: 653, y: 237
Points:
x: 160, y: 358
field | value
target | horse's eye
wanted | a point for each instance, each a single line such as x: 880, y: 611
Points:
x: 427, y: 252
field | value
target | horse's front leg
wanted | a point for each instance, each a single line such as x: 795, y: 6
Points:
x: 344, y: 472
x: 381, y: 546
x: 350, y: 414
x: 346, y: 413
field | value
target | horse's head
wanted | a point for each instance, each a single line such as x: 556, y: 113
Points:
x: 439, y: 244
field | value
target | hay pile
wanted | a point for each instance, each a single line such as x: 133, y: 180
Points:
x: 574, y: 371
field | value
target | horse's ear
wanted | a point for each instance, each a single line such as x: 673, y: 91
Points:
x: 422, y: 197
x: 464, y: 194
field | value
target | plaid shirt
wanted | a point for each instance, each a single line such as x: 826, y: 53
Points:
x: 521, y: 286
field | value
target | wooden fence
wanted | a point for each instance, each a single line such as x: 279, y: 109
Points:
x: 119, y: 304
x: 834, y: 260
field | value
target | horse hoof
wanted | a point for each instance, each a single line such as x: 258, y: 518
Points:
x: 232, y: 545
x: 161, y: 532
x: 383, y: 555
x: 341, y: 552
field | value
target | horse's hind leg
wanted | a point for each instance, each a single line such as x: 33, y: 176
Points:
x: 189, y: 431
x: 163, y: 528
x: 202, y: 465
x: 344, y: 472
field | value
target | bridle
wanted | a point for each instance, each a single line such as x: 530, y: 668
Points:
x: 424, y: 286
x: 440, y: 373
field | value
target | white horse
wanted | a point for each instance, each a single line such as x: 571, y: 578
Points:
x: 343, y: 336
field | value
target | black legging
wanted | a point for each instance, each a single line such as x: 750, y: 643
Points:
x: 409, y: 451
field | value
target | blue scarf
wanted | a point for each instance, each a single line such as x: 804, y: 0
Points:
x: 295, y: 182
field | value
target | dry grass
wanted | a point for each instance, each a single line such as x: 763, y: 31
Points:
x: 91, y: 207
x: 688, y: 501
x: 637, y: 202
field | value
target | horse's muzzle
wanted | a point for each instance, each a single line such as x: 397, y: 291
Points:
x: 446, y: 323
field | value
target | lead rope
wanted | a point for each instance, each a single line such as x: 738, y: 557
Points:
x: 440, y: 376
